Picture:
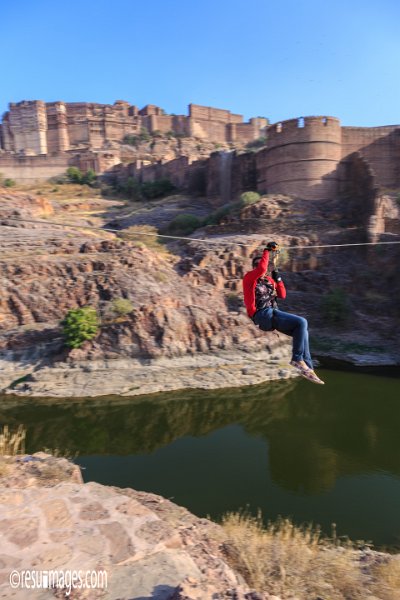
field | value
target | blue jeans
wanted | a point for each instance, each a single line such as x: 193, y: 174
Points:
x: 297, y: 327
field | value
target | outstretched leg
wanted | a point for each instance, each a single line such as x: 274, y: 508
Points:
x: 297, y: 328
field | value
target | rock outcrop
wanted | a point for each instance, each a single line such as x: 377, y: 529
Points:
x: 186, y: 328
x: 139, y: 545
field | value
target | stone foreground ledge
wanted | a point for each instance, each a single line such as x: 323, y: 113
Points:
x: 149, y: 547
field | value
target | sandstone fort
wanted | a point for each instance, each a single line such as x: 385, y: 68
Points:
x: 311, y: 157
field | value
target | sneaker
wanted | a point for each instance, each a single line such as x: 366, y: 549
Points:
x: 300, y: 365
x: 306, y: 372
x: 313, y: 377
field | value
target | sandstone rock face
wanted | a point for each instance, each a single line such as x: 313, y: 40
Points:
x: 187, y: 326
x: 147, y: 546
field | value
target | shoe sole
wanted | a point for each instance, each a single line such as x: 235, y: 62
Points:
x: 318, y: 381
x: 306, y: 375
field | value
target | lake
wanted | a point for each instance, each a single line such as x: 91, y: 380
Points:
x: 326, y: 454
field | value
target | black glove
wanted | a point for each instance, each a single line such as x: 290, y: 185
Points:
x: 276, y: 276
x: 272, y: 247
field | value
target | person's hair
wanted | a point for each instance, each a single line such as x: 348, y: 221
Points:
x: 255, y: 261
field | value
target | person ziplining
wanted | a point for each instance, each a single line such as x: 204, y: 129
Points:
x: 260, y: 292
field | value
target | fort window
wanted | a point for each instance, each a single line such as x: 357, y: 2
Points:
x: 324, y: 120
x: 300, y: 122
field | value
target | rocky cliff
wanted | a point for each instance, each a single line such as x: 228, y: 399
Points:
x: 186, y: 326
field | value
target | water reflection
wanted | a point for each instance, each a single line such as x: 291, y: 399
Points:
x: 313, y: 435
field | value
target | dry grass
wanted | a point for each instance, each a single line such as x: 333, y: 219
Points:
x: 4, y: 467
x: 297, y: 562
x: 386, y: 583
x: 144, y: 236
x: 60, y: 191
x: 12, y: 443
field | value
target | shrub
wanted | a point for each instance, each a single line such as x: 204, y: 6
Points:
x: 132, y: 189
x: 216, y: 216
x: 248, y: 198
x: 298, y: 562
x: 131, y: 140
x: 9, y: 182
x: 74, y: 175
x: 157, y: 188
x: 79, y: 325
x: 89, y: 177
x: 334, y: 306
x: 144, y: 135
x: 184, y: 224
x: 122, y: 306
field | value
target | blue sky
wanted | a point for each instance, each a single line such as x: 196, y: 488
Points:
x: 279, y: 59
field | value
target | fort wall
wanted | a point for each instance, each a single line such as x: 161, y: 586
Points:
x: 29, y: 169
x: 380, y: 146
x: 304, y: 157
x: 301, y: 158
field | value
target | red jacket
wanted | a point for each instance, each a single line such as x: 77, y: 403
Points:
x: 250, y: 281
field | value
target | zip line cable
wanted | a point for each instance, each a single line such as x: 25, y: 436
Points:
x: 191, y: 239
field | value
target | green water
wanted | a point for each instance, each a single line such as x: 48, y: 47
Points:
x: 324, y: 454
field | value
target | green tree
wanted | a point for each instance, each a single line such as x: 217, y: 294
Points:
x: 79, y: 325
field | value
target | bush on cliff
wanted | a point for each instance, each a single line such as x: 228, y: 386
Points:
x: 7, y: 182
x: 157, y: 188
x: 132, y: 189
x: 184, y: 224
x: 217, y: 215
x: 79, y: 325
x: 122, y: 307
x: 75, y: 175
x: 134, y: 140
x: 245, y: 199
x: 248, y: 198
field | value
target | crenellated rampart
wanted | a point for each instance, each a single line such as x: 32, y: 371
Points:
x: 301, y: 158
